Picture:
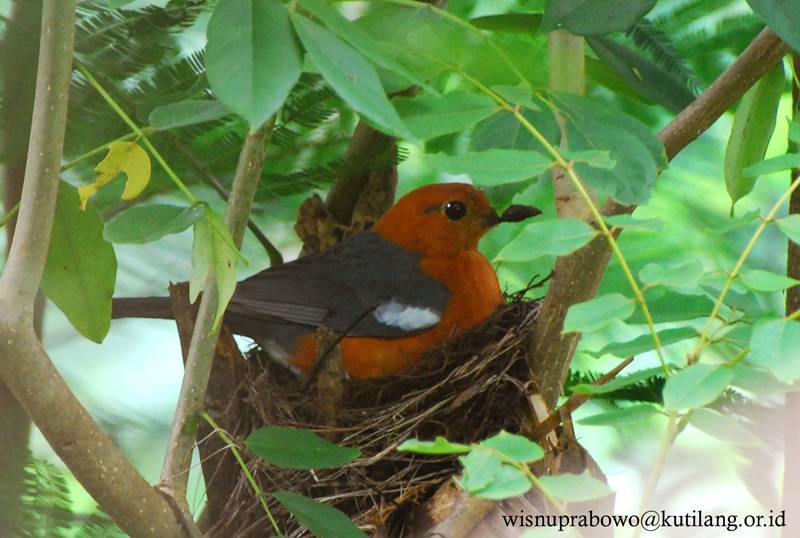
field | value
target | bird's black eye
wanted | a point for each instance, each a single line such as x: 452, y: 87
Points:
x: 455, y: 210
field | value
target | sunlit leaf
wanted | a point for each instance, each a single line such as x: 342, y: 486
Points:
x: 621, y: 417
x: 696, y: 386
x: 481, y: 467
x: 507, y: 482
x: 597, y: 313
x: 680, y: 274
x: 202, y: 257
x: 555, y: 237
x: 774, y: 165
x: 632, y: 223
x: 494, y: 166
x: 439, y: 446
x: 790, y: 226
x: 760, y: 280
x: 122, y: 158
x: 644, y: 343
x: 752, y: 129
x: 774, y: 345
x: 516, y: 447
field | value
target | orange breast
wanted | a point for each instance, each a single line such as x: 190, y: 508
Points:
x: 475, y: 295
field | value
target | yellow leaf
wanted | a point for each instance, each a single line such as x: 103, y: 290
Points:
x: 123, y: 157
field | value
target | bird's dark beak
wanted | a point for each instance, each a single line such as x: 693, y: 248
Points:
x: 514, y: 213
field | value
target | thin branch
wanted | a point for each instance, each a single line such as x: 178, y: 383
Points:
x: 275, y: 256
x: 579, y: 274
x: 24, y: 365
x: 174, y: 473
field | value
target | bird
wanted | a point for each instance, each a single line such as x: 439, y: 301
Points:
x: 392, y: 293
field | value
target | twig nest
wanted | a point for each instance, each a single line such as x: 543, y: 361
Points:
x: 465, y: 392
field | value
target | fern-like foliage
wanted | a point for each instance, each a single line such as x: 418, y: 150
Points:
x: 47, y: 507
x: 657, y: 43
x: 647, y: 391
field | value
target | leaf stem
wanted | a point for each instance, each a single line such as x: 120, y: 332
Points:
x: 137, y: 131
x: 703, y: 342
x: 9, y: 215
x: 262, y: 496
x: 674, y: 427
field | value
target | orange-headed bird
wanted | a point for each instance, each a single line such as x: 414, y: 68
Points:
x: 396, y: 291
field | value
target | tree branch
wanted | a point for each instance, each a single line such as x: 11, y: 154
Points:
x: 175, y: 471
x: 24, y: 365
x: 791, y: 442
x: 577, y: 277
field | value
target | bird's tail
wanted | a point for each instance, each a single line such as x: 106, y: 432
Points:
x: 141, y: 307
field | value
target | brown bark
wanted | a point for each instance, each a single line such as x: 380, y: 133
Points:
x: 791, y: 448
x: 19, y: 82
x: 24, y: 365
x: 200, y: 355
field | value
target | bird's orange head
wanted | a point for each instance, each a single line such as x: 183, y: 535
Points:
x: 443, y: 219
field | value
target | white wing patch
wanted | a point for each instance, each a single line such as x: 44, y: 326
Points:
x: 405, y: 316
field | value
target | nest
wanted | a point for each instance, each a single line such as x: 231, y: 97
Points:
x: 475, y: 386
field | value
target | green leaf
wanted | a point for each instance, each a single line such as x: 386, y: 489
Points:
x: 321, y: 519
x: 508, y: 482
x: 631, y: 223
x: 494, y: 166
x: 774, y: 165
x: 592, y: 157
x: 213, y: 250
x: 516, y: 447
x: 202, y: 257
x: 480, y: 469
x: 781, y: 16
x: 757, y: 379
x: 593, y: 17
x: 723, y: 427
x: 680, y: 274
x: 593, y: 315
x: 621, y: 417
x: 504, y: 131
x: 517, y: 95
x: 673, y: 306
x: 794, y: 131
x: 224, y: 259
x: 644, y: 343
x: 790, y: 226
x: 760, y: 280
x: 575, y: 487
x: 252, y: 57
x: 292, y: 448
x: 752, y: 128
x: 518, y: 23
x: 143, y: 224
x: 617, y: 383
x: 438, y: 446
x: 555, y: 237
x: 428, y: 116
x: 696, y: 386
x: 363, y: 42
x: 350, y: 76
x: 190, y: 112
x: 774, y: 344
x: 81, y: 267
x: 642, y: 75
x: 593, y: 125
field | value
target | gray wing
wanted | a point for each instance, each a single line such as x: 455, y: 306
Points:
x: 362, y: 278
